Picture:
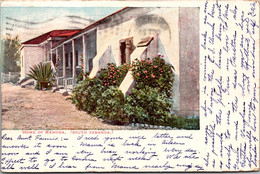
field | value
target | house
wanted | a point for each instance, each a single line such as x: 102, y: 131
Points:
x: 38, y: 49
x: 137, y: 32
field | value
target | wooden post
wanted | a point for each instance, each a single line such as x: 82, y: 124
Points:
x: 84, y: 53
x: 73, y: 60
x: 64, y: 61
x: 57, y: 70
x: 51, y: 52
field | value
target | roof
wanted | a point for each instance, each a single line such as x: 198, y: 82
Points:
x: 53, y: 33
x: 90, y: 26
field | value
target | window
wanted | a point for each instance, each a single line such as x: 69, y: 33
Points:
x: 71, y: 60
x: 67, y: 59
x: 77, y: 58
x: 54, y: 59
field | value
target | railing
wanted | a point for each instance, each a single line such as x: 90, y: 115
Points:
x: 69, y: 83
x: 60, y: 81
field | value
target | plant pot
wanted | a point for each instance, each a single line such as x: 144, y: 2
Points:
x: 44, y: 85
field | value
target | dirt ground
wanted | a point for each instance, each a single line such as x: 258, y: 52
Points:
x: 24, y: 108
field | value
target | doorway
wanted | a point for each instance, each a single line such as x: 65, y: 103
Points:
x: 126, y: 49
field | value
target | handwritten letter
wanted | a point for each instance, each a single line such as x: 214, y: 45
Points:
x: 229, y: 89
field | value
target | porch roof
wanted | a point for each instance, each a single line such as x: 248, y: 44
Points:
x: 53, y: 33
x: 88, y: 27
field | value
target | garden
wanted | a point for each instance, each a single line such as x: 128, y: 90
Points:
x: 149, y: 103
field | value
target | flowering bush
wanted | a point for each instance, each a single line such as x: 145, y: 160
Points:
x: 150, y: 101
x: 154, y: 73
x: 113, y: 75
x: 110, y: 105
x: 86, y: 94
x: 148, y: 105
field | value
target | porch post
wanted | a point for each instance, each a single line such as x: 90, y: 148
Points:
x: 51, y: 51
x: 64, y: 61
x: 57, y: 61
x: 74, y: 59
x: 84, y: 53
x: 57, y: 55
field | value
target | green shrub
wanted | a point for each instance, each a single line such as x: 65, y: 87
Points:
x: 113, y: 75
x: 86, y: 94
x: 110, y: 105
x: 81, y: 76
x: 42, y: 73
x: 148, y: 105
x: 156, y: 74
x: 181, y: 122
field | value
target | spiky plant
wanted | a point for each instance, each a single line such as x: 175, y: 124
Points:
x: 41, y: 72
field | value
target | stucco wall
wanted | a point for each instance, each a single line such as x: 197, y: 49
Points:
x: 32, y: 55
x: 189, y: 61
x: 144, y: 22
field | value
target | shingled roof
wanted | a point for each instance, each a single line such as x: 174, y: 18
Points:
x: 53, y: 33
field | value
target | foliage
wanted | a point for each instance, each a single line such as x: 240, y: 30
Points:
x: 100, y: 95
x: 156, y: 74
x: 113, y: 75
x: 81, y: 75
x: 11, y: 54
x: 41, y: 72
x: 86, y: 94
x: 181, y: 122
x: 110, y: 105
x: 148, y: 105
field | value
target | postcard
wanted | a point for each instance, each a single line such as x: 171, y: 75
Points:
x: 129, y: 86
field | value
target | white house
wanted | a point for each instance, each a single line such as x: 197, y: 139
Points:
x: 138, y: 32
x: 39, y: 49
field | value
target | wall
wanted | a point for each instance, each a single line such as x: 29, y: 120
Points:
x: 33, y: 55
x: 189, y: 61
x: 144, y: 22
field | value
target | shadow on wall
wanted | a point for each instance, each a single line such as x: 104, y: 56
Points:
x: 162, y: 51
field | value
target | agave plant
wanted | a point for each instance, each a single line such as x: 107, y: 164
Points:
x: 42, y: 73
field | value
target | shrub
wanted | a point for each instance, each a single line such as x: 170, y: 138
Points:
x: 110, y: 105
x: 148, y: 105
x: 81, y: 76
x: 181, y: 122
x: 86, y: 94
x: 156, y: 74
x: 113, y: 75
x: 42, y: 73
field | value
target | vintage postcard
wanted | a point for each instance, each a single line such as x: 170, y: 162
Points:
x: 129, y: 86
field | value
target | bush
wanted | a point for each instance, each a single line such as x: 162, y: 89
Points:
x: 156, y: 74
x: 190, y: 123
x: 86, y: 94
x: 113, y: 75
x: 81, y: 76
x: 110, y: 105
x: 42, y: 73
x: 100, y: 95
x: 148, y: 105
